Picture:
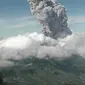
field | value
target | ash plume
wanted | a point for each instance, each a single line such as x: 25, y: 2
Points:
x: 52, y: 16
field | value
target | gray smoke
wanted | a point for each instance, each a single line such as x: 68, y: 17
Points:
x: 52, y: 16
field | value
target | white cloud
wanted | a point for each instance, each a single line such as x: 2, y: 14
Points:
x: 76, y: 19
x: 15, y: 19
x: 19, y: 22
x: 38, y: 45
x: 21, y: 25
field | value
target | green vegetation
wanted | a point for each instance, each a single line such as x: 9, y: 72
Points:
x: 35, y: 71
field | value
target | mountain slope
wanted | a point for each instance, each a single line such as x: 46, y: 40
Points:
x: 35, y: 71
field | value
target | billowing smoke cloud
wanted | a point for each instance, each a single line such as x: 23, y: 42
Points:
x: 52, y: 16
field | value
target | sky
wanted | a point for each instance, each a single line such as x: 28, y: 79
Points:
x: 15, y: 17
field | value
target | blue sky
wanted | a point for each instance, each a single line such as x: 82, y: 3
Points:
x: 15, y: 16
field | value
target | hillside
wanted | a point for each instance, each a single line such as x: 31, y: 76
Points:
x: 35, y: 71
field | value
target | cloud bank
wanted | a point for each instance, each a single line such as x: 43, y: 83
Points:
x: 38, y: 45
